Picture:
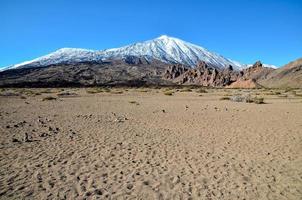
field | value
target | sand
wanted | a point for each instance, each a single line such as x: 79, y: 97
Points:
x: 146, y: 145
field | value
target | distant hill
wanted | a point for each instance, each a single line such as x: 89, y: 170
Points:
x: 289, y: 75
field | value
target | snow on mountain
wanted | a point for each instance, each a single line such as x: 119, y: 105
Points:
x: 163, y: 48
x: 172, y: 50
x: 60, y: 56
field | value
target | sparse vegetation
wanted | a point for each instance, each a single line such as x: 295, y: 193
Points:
x: 168, y: 93
x: 186, y: 90
x: 46, y: 91
x: 134, y: 102
x: 144, y: 90
x: 248, y: 99
x: 49, y: 98
x: 9, y: 93
x: 67, y: 94
x: 96, y: 90
x: 282, y: 95
x: 258, y: 100
x: 225, y: 98
x: 201, y: 90
x: 117, y: 92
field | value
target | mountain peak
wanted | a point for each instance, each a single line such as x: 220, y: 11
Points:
x: 164, y: 37
x: 164, y: 48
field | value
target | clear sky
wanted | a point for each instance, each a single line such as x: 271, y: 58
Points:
x: 242, y: 30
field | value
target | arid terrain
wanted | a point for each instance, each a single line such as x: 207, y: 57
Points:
x: 150, y: 143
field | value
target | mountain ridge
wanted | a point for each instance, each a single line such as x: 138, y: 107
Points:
x: 164, y: 48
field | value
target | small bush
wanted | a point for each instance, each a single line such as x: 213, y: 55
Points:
x: 144, y: 90
x: 46, y: 91
x: 297, y: 94
x: 276, y: 93
x: 282, y: 95
x: 9, y: 94
x: 258, y: 100
x: 93, y: 91
x: 168, y: 93
x: 186, y: 90
x: 49, y: 98
x: 237, y: 98
x: 248, y: 99
x: 117, y: 92
x: 225, y: 98
x: 201, y: 91
x: 134, y: 102
x: 67, y: 94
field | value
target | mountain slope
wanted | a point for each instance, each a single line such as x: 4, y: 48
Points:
x: 166, y: 49
x: 131, y: 71
x: 289, y: 75
x: 172, y: 50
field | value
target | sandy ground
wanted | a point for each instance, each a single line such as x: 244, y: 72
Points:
x: 184, y: 146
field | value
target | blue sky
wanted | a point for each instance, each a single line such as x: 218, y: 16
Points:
x: 243, y: 30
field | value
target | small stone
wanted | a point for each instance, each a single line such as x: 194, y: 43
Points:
x: 44, y: 135
x: 176, y: 180
x: 98, y: 192
x: 129, y: 186
x: 15, y: 140
x: 26, y: 138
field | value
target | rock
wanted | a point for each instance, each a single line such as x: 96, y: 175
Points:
x: 44, y: 135
x: 27, y: 138
x: 206, y: 75
x: 176, y: 180
x: 15, y: 140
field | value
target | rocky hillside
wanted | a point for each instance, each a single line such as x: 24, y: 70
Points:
x: 206, y: 75
x: 130, y: 71
x: 138, y: 71
x: 288, y: 76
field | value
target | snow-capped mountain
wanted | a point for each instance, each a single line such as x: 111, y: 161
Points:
x: 172, y: 50
x: 164, y: 48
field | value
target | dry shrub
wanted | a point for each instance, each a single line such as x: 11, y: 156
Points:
x: 49, y: 98
x: 225, y: 98
x: 96, y: 90
x: 117, y: 92
x: 201, y: 90
x: 248, y: 99
x: 134, y: 102
x: 168, y: 93
x: 186, y: 90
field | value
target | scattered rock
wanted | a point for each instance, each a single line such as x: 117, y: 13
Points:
x: 44, y: 135
x: 15, y: 140
x: 27, y: 138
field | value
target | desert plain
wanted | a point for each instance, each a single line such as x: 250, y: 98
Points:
x: 150, y: 143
